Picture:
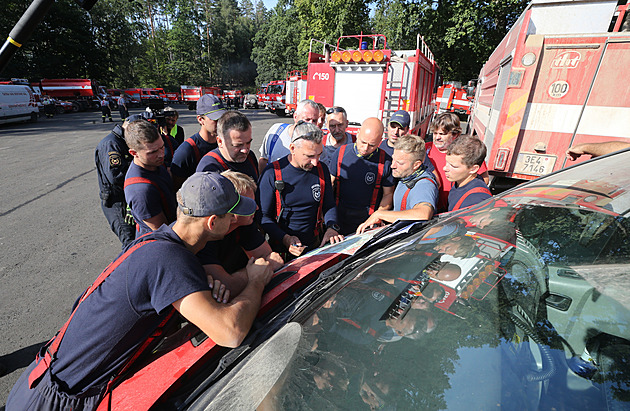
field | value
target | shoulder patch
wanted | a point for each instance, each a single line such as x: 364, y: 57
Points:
x: 114, y: 159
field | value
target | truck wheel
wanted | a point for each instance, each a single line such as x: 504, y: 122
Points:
x: 75, y: 107
x: 280, y: 112
x: 34, y: 117
x: 192, y: 106
x: 59, y: 110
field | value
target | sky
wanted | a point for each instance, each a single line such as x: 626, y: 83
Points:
x: 270, y: 4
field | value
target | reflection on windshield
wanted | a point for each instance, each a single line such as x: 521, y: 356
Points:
x: 489, y: 308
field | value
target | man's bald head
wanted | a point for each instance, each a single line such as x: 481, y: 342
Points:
x: 370, y: 136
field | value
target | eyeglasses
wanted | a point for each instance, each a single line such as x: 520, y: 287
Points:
x: 336, y: 110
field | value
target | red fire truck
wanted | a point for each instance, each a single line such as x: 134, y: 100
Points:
x: 295, y: 89
x: 275, y: 100
x: 558, y: 78
x: 84, y: 93
x: 452, y: 97
x: 190, y: 94
x: 261, y: 95
x: 372, y: 80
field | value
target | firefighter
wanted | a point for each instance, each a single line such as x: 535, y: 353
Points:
x: 464, y: 156
x: 105, y: 109
x: 49, y: 107
x: 234, y: 137
x: 156, y: 277
x: 296, y: 197
x: 362, y: 177
x: 337, y: 120
x: 416, y: 193
x: 189, y: 153
x: 148, y: 185
x: 122, y: 107
x: 112, y: 162
x: 275, y: 144
x: 226, y: 259
x: 446, y: 128
x: 172, y: 128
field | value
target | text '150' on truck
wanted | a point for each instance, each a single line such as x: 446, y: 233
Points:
x: 558, y: 78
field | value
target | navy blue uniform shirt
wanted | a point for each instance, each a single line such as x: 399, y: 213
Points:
x: 112, y: 162
x: 457, y: 193
x: 248, y: 167
x: 186, y: 157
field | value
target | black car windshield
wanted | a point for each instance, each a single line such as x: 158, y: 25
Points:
x: 519, y: 303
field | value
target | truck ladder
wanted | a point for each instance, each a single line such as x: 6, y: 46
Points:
x: 393, y: 89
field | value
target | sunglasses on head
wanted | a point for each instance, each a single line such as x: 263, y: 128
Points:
x: 336, y: 110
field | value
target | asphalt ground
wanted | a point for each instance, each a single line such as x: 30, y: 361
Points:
x: 54, y: 237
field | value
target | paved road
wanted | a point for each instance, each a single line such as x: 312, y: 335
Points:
x: 54, y: 237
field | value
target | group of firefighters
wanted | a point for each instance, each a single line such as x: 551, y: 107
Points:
x: 191, y: 216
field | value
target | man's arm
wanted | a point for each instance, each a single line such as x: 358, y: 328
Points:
x: 227, y: 324
x: 421, y: 211
x: 387, y: 200
x: 156, y: 222
x: 235, y: 283
x: 265, y: 251
x: 596, y: 149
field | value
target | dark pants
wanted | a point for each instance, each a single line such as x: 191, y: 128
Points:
x: 116, y: 217
x: 124, y: 113
x: 46, y: 395
x: 106, y: 112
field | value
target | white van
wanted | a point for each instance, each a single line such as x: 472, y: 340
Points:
x: 17, y: 103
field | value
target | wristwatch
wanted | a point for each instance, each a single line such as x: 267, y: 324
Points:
x: 335, y: 227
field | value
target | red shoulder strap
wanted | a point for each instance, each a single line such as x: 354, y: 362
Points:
x: 217, y: 157
x: 469, y: 192
x: 403, y: 206
x: 322, y: 190
x: 53, y: 344
x: 278, y: 174
x: 141, y: 180
x: 379, y: 177
x: 190, y: 141
x: 168, y: 142
x: 251, y: 160
x: 342, y: 151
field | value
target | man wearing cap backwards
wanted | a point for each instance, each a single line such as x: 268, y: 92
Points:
x: 416, y: 194
x: 298, y: 185
x: 156, y: 275
x: 362, y: 177
x: 148, y: 186
x: 235, y: 139
x: 189, y: 153
x: 112, y: 162
x: 275, y: 144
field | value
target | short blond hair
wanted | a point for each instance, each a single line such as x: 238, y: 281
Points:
x: 411, y: 144
x: 242, y: 182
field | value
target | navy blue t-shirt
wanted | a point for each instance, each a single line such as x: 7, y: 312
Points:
x: 357, y: 180
x: 186, y: 158
x: 146, y: 200
x: 228, y: 252
x: 123, y: 312
x: 457, y: 193
x: 300, y: 198
x: 248, y: 167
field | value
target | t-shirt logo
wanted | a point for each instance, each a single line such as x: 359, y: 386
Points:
x: 370, y: 177
x: 377, y: 296
x: 316, y: 192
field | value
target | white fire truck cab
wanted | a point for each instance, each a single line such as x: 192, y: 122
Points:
x: 558, y: 78
x: 367, y: 79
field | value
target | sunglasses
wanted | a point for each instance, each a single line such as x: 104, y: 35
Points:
x: 336, y: 110
x: 309, y: 134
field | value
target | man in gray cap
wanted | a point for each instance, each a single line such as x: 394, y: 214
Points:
x: 156, y: 276
x: 189, y: 153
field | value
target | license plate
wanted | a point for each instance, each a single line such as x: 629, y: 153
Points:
x: 534, y: 164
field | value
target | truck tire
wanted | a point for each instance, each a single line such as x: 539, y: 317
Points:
x: 280, y: 112
x: 192, y: 106
x: 75, y: 107
x: 59, y: 110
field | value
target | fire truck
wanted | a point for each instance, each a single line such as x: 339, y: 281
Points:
x: 233, y: 98
x: 275, y: 99
x: 454, y: 98
x: 295, y: 90
x: 84, y: 93
x: 371, y: 80
x: 557, y: 79
x: 261, y: 95
x: 190, y: 94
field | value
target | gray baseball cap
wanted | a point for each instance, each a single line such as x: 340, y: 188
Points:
x: 205, y: 193
x: 210, y: 106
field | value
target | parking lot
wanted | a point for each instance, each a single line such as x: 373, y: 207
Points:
x: 55, y: 239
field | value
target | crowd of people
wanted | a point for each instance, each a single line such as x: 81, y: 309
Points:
x: 215, y: 221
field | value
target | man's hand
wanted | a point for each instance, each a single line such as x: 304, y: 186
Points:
x: 259, y: 270
x: 369, y: 223
x: 332, y: 237
x: 219, y: 292
x: 274, y: 260
x: 576, y: 152
x: 293, y: 244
